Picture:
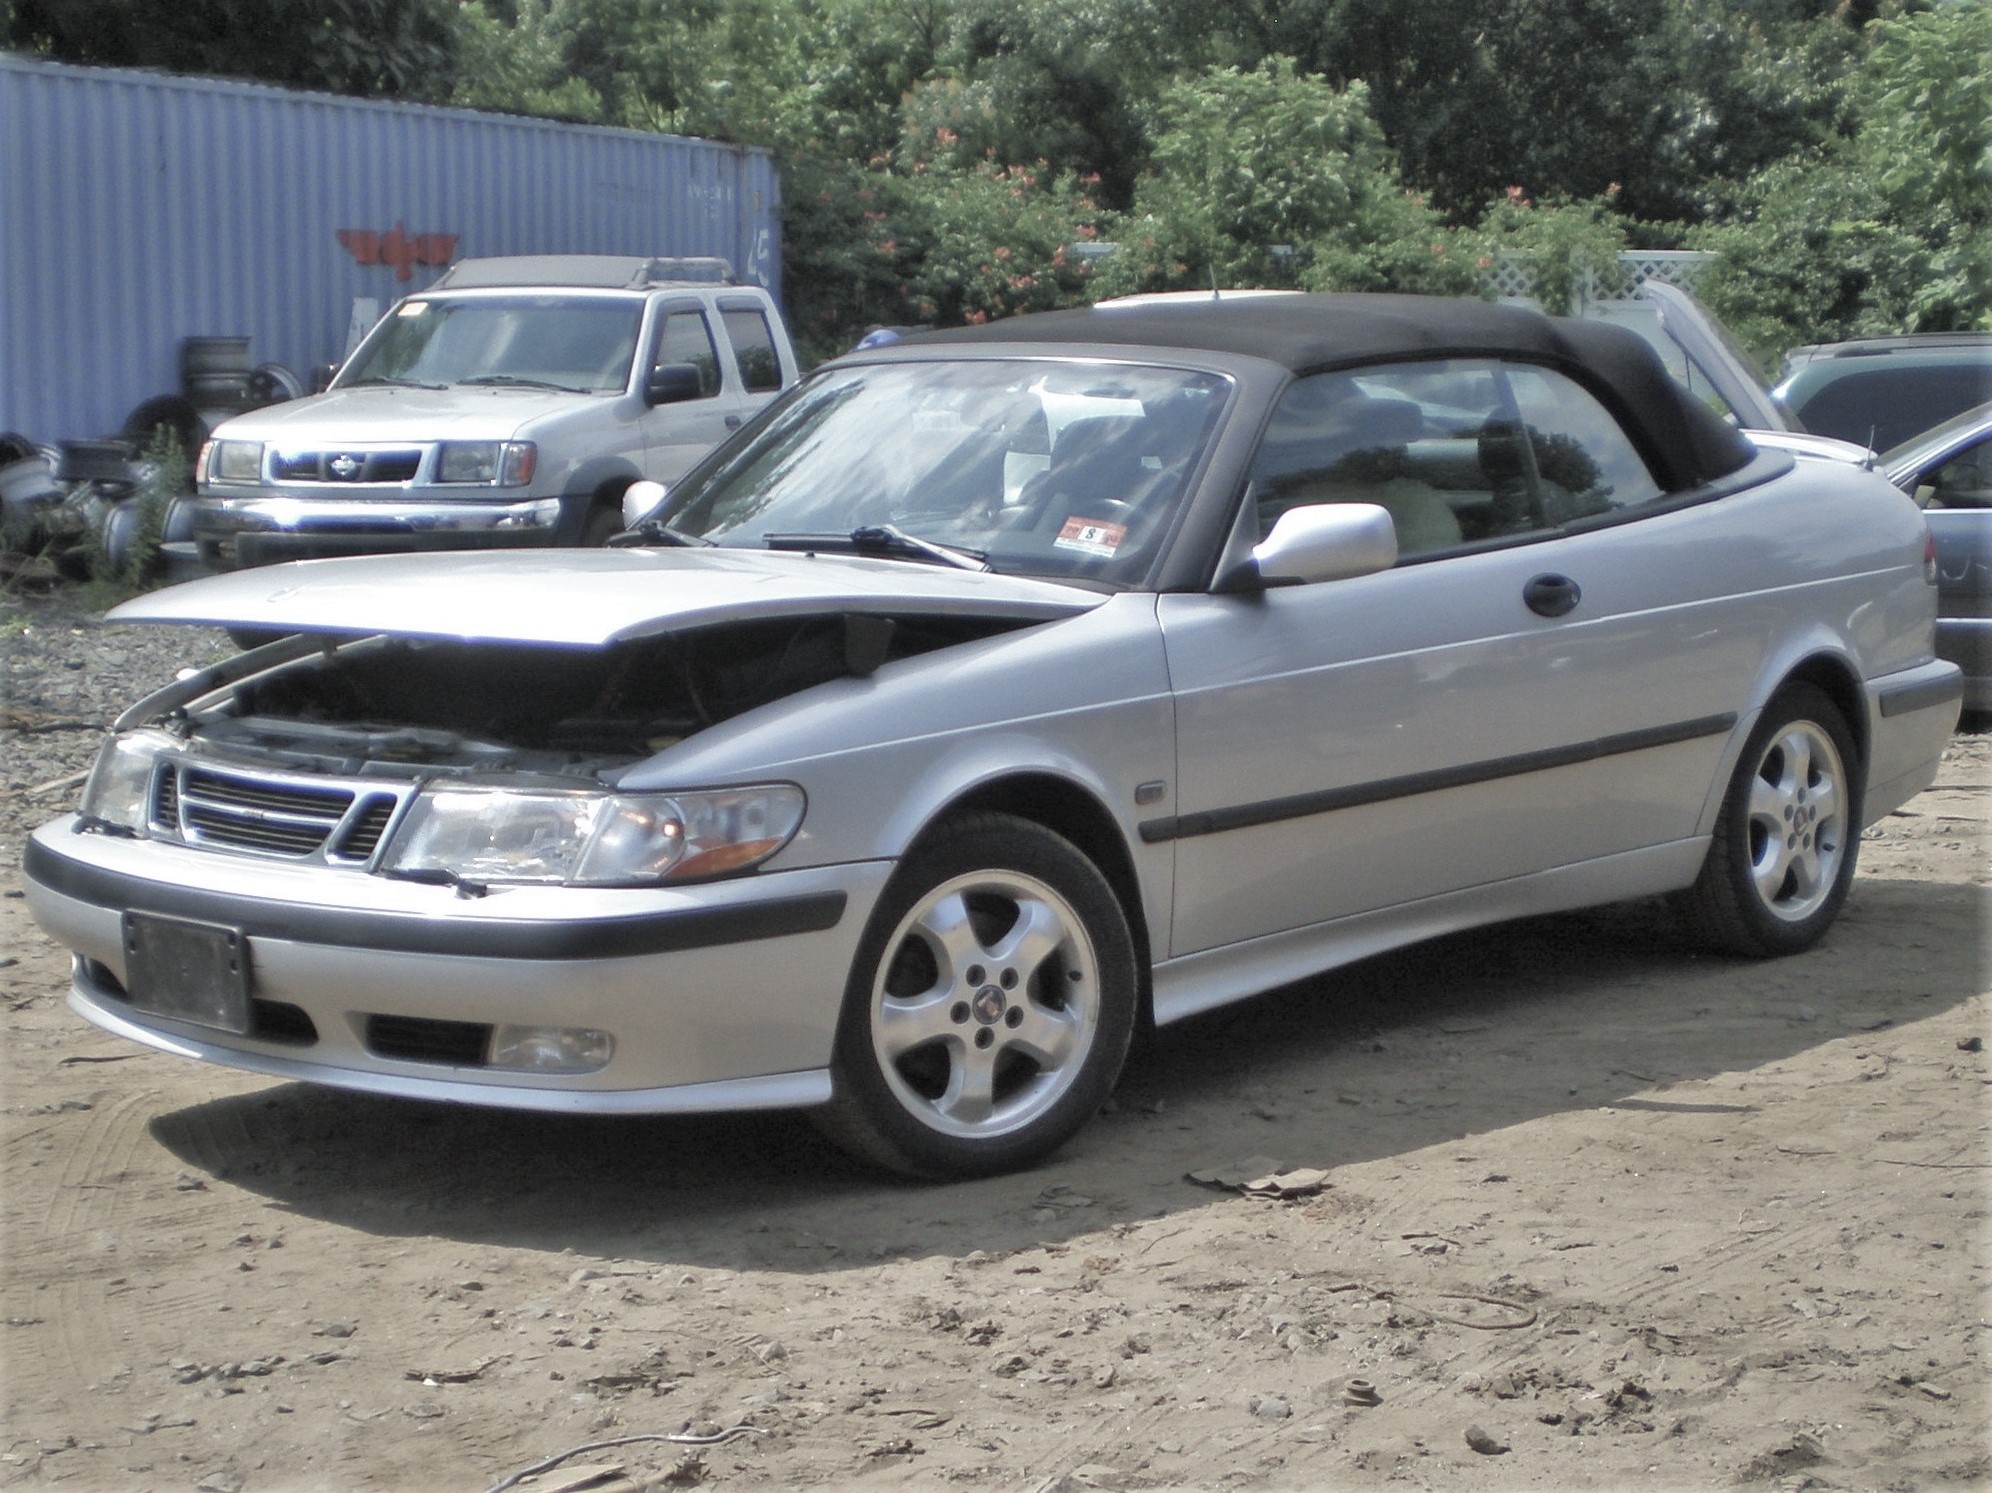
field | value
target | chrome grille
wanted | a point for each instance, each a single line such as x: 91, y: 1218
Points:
x: 365, y: 827
x: 261, y: 813
x: 344, y: 467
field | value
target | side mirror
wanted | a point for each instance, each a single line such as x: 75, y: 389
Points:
x: 322, y: 375
x: 673, y: 383
x: 1319, y: 542
x: 641, y: 500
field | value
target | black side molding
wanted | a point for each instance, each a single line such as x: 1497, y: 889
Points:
x: 594, y: 938
x: 1905, y: 698
x: 1270, y: 811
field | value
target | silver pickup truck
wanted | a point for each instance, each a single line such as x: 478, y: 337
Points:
x: 509, y: 404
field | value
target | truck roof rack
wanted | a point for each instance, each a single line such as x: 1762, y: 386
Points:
x: 595, y: 271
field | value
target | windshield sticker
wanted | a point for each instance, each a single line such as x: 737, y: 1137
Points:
x: 1090, y: 537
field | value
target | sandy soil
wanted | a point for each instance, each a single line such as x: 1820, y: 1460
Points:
x: 1596, y: 1212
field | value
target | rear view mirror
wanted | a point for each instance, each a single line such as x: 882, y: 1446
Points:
x: 1319, y: 542
x: 673, y: 383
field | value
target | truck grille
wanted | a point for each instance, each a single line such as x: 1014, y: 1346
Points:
x: 343, y: 467
x: 267, y: 814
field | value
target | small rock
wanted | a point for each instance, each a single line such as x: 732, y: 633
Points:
x: 1483, y: 1443
x: 1806, y: 1013
x: 1271, y: 1407
x: 1971, y: 1044
x: 1934, y: 1391
x: 334, y: 1329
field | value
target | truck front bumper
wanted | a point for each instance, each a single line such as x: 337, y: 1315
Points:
x: 232, y: 532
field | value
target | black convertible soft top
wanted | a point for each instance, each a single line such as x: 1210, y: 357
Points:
x: 1686, y: 443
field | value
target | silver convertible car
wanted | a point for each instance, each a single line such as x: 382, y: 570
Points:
x: 1001, y: 690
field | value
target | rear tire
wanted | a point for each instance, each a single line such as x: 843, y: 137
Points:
x: 1785, y: 842
x: 989, y: 1008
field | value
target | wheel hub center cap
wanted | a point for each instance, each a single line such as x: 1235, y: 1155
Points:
x: 989, y: 1005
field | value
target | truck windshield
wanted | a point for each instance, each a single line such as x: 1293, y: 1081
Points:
x: 580, y: 343
x: 1040, y: 466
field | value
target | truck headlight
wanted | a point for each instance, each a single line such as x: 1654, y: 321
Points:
x: 232, y: 461
x: 504, y: 833
x: 488, y: 463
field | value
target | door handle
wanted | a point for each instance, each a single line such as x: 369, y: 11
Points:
x: 733, y: 422
x: 1552, y: 595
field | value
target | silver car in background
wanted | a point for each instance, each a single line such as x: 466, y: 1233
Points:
x: 998, y: 691
x: 1948, y: 471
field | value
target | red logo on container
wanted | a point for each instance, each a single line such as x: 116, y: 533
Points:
x: 398, y: 247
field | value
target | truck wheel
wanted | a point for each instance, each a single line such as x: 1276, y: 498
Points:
x: 604, y: 521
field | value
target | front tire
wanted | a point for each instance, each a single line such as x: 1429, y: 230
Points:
x: 990, y: 1005
x: 1782, y: 856
x: 603, y: 523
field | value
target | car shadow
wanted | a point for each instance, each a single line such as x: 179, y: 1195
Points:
x: 1464, y: 1035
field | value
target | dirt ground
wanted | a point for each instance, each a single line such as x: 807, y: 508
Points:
x: 1596, y: 1212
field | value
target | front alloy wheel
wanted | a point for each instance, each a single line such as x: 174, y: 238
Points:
x: 990, y: 1007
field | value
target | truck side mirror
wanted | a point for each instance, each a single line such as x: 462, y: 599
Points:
x: 673, y: 383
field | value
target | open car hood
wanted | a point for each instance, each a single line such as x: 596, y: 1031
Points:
x: 589, y: 598
x: 1712, y: 353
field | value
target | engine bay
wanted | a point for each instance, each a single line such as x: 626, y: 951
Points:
x: 391, y: 706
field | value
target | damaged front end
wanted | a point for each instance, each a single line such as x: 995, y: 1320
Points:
x: 481, y: 763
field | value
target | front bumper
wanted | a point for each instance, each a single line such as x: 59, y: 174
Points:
x: 233, y: 531
x: 721, y: 996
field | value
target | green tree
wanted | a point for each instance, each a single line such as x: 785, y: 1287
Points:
x: 1889, y: 230
x: 1267, y: 177
x: 375, y: 48
x: 1569, y: 249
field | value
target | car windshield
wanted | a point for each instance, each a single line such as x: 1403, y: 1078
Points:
x: 1040, y: 466
x: 583, y: 344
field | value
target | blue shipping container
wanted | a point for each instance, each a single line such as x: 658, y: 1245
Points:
x: 141, y: 209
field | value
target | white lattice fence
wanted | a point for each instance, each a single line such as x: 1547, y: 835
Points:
x: 1512, y: 276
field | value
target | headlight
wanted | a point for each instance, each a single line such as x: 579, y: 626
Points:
x: 482, y: 832
x: 492, y: 463
x: 234, y: 461
x: 119, y: 792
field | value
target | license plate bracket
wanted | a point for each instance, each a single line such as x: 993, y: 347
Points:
x: 197, y: 972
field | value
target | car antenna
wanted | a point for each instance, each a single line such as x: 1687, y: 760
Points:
x: 1213, y: 283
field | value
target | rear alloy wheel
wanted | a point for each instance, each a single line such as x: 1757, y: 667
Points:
x: 990, y: 1006
x: 1783, y: 852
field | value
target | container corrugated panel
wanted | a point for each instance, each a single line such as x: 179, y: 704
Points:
x: 141, y: 209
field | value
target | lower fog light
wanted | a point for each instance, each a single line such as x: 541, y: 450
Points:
x: 551, y: 1049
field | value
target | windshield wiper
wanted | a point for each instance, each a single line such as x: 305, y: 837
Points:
x: 514, y: 381
x: 656, y: 531
x: 883, y: 539
x: 395, y: 383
